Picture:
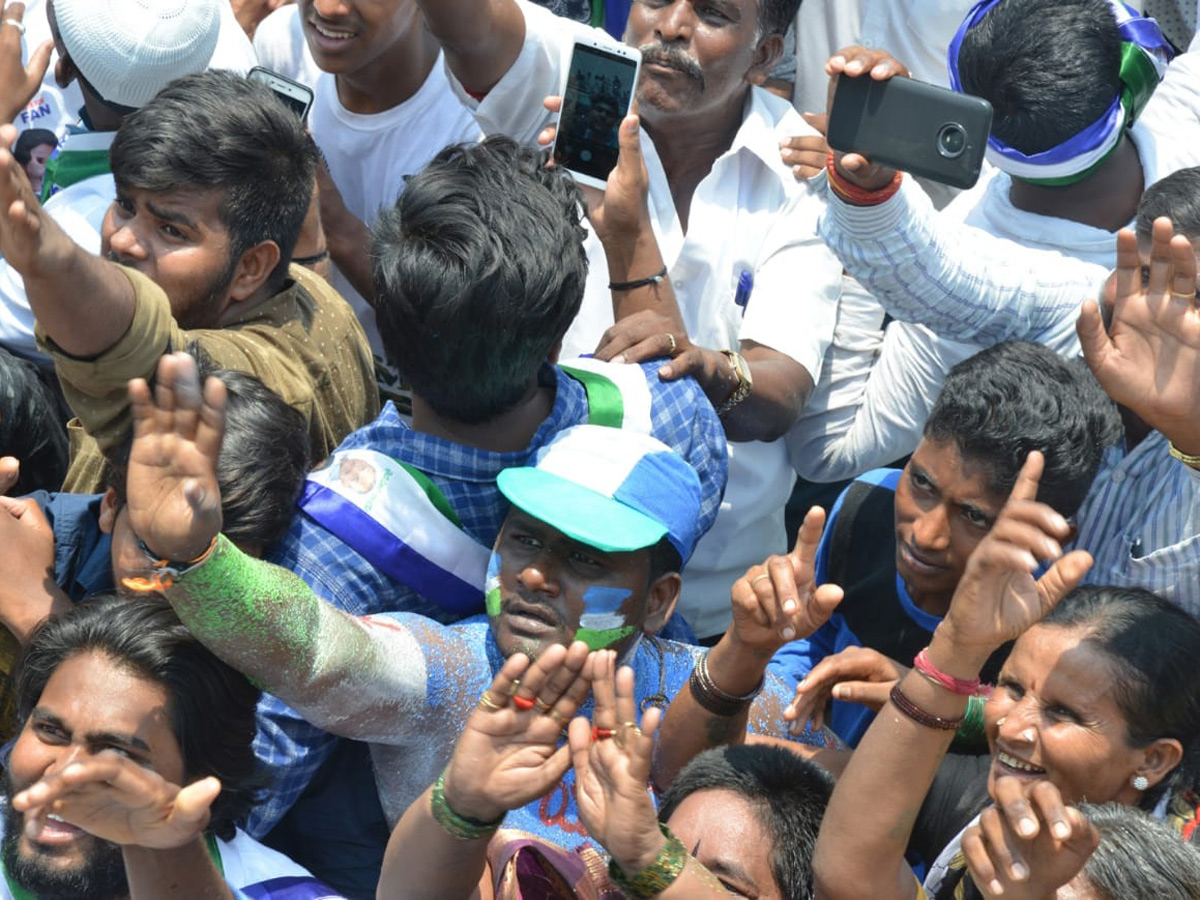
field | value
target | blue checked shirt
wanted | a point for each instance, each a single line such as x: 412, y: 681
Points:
x: 681, y: 417
x: 1140, y: 520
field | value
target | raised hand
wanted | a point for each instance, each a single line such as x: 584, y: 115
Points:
x: 998, y: 598
x: 1148, y: 359
x: 879, y: 65
x: 117, y: 800
x: 173, y: 499
x: 28, y: 592
x: 612, y: 773
x: 18, y: 82
x: 854, y: 675
x: 1029, y: 844
x: 806, y: 154
x: 508, y: 753
x: 779, y: 601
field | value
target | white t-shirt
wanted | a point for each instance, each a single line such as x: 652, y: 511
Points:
x: 281, y: 47
x: 370, y: 156
x: 748, y: 214
x: 55, y: 108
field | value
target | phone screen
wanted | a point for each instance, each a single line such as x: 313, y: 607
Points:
x: 298, y: 106
x: 599, y: 89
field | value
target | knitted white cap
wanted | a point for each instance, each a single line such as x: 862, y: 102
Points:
x: 129, y: 50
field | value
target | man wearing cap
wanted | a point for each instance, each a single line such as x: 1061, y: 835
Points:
x: 591, y: 550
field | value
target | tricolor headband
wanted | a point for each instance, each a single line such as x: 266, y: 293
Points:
x: 1144, y: 57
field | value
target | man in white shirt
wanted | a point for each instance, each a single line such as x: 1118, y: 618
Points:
x: 725, y: 210
x: 383, y: 109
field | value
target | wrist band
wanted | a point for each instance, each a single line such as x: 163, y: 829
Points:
x: 712, y: 698
x: 641, y: 282
x: 458, y: 826
x: 165, y: 572
x: 920, y: 716
x: 941, y: 679
x: 856, y: 195
x: 1186, y: 458
x: 656, y: 877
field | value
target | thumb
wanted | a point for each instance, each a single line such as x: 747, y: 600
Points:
x: 819, y: 121
x: 1063, y: 577
x: 192, y: 803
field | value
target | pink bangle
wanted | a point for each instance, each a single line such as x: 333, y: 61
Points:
x: 940, y: 678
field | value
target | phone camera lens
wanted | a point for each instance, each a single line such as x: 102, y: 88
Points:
x: 951, y: 141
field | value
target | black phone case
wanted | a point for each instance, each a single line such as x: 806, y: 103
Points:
x: 911, y: 126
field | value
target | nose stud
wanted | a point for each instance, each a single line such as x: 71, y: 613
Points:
x: 1027, y: 735
x: 1000, y: 721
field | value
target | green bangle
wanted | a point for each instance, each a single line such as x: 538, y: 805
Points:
x: 656, y: 877
x: 459, y: 826
x: 972, y: 727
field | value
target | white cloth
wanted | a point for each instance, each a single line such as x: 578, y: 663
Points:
x: 80, y: 210
x: 281, y: 47
x: 55, y: 108
x: 748, y: 213
x: 370, y: 156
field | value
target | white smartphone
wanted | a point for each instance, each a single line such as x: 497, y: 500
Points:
x: 597, y: 93
x: 297, y: 96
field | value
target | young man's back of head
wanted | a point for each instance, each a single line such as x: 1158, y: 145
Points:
x: 1016, y: 397
x: 479, y: 268
x: 216, y: 130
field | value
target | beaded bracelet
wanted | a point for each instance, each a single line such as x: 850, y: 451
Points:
x: 859, y: 196
x: 459, y: 826
x: 712, y: 698
x: 656, y: 877
x: 935, y: 675
x: 920, y: 716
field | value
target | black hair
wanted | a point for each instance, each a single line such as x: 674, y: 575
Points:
x: 31, y: 428
x: 479, y: 268
x: 216, y: 130
x: 1049, y: 69
x: 788, y: 793
x: 1178, y: 198
x: 263, y: 461
x: 1152, y: 646
x: 664, y: 559
x: 1139, y: 856
x: 211, y: 706
x: 22, y: 150
x: 1017, y: 396
x: 775, y: 16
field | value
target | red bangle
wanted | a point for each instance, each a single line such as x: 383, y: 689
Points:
x: 856, y: 195
x: 920, y: 716
x: 941, y: 679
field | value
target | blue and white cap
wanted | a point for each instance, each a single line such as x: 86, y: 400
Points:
x: 610, y: 488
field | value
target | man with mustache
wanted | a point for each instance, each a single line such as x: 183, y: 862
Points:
x: 213, y: 181
x: 756, y: 290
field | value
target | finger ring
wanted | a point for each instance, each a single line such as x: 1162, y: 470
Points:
x: 556, y: 716
x: 670, y: 344
x: 486, y: 702
x: 601, y: 734
x: 1182, y: 296
x: 20, y: 26
x: 542, y: 706
x: 524, y: 704
x: 757, y: 578
x: 512, y: 688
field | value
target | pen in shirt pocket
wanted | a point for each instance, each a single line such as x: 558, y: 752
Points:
x: 745, y: 286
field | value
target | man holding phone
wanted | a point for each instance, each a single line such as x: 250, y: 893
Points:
x: 727, y: 213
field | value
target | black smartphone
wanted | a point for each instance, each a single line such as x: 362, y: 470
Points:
x: 597, y: 92
x: 909, y: 125
x: 297, y: 96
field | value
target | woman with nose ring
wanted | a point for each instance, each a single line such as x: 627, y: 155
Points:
x: 1098, y: 698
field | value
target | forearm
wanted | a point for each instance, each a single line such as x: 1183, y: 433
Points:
x: 693, y: 881
x: 186, y: 871
x: 337, y: 671
x: 423, y: 860
x: 959, y: 281
x: 32, y: 608
x: 632, y: 258
x: 83, y: 303
x: 481, y: 38
x: 876, y: 801
x: 349, y: 243
x: 781, y: 388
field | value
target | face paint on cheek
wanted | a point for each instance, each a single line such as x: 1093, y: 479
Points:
x: 491, y: 587
x: 602, y: 623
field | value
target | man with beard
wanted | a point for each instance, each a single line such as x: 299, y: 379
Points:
x: 121, y: 706
x: 213, y: 178
x: 756, y: 289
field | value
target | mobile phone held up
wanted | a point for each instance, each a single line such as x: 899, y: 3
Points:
x: 298, y: 97
x: 912, y: 126
x: 597, y: 94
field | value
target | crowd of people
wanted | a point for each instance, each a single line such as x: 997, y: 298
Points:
x: 385, y: 514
